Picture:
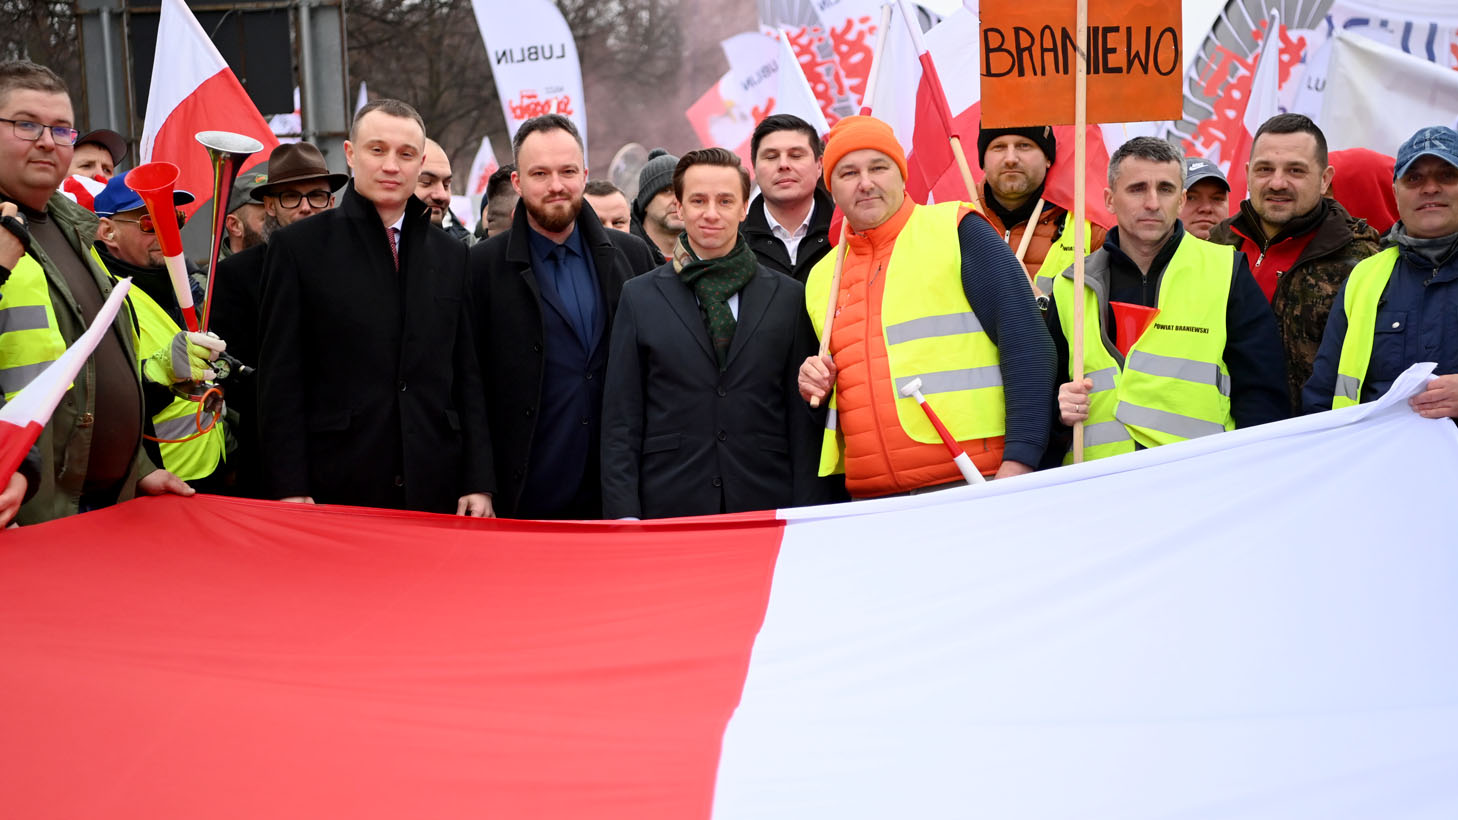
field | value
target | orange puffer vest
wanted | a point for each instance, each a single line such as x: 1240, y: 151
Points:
x: 880, y: 458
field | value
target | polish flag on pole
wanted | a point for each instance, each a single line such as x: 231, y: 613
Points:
x: 194, y: 90
x: 1262, y: 104
x: 25, y: 415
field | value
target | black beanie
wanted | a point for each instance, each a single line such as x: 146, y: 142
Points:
x: 656, y: 175
x: 1041, y: 135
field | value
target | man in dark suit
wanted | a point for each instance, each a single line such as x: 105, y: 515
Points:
x: 369, y: 389
x: 788, y: 224
x: 300, y: 186
x: 703, y: 413
x: 545, y: 293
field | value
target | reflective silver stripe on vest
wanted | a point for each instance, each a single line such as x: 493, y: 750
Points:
x: 174, y: 429
x: 1164, y: 421
x: 930, y: 327
x: 24, y: 317
x: 15, y: 378
x: 832, y: 419
x: 1105, y: 432
x: 948, y: 381
x: 1349, y: 388
x: 1171, y: 367
x: 1103, y: 379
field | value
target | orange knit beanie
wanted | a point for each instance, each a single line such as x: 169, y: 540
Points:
x: 857, y: 132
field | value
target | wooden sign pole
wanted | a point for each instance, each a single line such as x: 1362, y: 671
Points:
x: 1080, y: 186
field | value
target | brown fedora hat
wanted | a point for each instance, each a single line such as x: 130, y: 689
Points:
x: 295, y: 162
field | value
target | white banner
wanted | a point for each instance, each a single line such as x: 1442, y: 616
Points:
x: 534, y: 60
x: 1377, y: 96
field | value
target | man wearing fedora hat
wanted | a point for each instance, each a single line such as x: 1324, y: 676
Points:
x: 297, y: 185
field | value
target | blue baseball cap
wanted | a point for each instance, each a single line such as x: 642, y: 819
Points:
x: 1434, y: 141
x: 117, y: 198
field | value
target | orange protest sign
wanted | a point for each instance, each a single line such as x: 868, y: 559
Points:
x: 1030, y: 56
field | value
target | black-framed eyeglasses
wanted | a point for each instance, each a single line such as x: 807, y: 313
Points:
x: 317, y: 199
x: 27, y: 130
x: 144, y: 222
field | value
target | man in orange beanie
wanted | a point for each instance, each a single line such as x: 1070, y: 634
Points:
x: 927, y: 292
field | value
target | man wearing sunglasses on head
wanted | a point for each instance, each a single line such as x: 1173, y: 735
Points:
x: 299, y: 185
x: 91, y: 449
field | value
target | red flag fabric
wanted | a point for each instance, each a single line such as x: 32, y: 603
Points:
x: 194, y: 90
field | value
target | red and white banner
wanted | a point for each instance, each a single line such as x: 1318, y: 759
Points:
x: 1262, y: 102
x: 1208, y: 654
x: 534, y: 61
x: 26, y: 414
x: 193, y: 90
x: 482, y: 167
x: 763, y: 79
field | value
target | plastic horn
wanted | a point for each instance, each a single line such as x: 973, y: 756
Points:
x: 912, y: 390
x: 154, y: 182
x: 227, y: 151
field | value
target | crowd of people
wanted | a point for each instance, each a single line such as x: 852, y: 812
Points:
x: 701, y: 347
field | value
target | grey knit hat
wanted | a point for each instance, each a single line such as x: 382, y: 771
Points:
x: 656, y: 175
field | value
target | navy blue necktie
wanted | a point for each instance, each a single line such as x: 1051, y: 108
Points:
x: 573, y: 297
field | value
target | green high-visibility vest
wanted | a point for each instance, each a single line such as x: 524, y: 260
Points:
x: 1363, y: 291
x: 1060, y: 255
x: 1174, y: 385
x: 29, y: 338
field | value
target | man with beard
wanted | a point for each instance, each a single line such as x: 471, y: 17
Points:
x: 545, y: 292
x: 296, y: 186
x: 244, y: 222
x: 434, y: 189
x: 1016, y: 161
x: 788, y: 224
x: 128, y: 243
x: 655, y: 210
x: 1301, y: 244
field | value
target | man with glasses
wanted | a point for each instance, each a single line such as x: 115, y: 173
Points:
x: 91, y: 450
x: 298, y: 186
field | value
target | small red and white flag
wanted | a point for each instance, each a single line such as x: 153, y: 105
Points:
x: 26, y: 414
x: 482, y: 167
x: 194, y: 90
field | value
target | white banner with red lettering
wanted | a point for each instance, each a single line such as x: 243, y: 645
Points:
x: 534, y: 60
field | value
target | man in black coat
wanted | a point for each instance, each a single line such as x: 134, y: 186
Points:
x: 545, y: 293
x: 369, y: 389
x: 703, y: 413
x: 788, y: 224
x: 300, y: 186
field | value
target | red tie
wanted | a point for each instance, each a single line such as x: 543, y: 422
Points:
x: 395, y: 247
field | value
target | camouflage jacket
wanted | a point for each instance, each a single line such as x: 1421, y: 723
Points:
x: 1306, y: 291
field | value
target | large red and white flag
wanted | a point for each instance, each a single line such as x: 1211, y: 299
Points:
x: 27, y: 412
x: 940, y: 656
x: 194, y: 90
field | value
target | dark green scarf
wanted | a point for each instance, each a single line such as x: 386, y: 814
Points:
x: 714, y: 281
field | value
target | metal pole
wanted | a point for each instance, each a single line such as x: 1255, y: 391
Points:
x: 111, y: 120
x: 306, y: 61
